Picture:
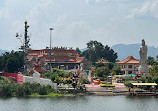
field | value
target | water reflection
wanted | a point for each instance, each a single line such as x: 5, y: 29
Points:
x: 80, y: 103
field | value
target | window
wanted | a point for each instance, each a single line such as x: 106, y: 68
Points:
x: 129, y: 72
x: 72, y: 55
x: 129, y: 66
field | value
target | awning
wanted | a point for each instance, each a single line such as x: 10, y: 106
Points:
x: 128, y: 75
x: 144, y: 84
x: 117, y: 75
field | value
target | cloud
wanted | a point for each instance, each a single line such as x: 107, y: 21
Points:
x: 140, y: 11
x: 154, y: 8
x: 74, y: 22
x: 99, y: 2
x: 148, y: 8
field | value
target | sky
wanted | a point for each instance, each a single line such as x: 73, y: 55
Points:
x: 76, y: 22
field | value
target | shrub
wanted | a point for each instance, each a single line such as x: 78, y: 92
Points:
x: 9, y: 88
x: 128, y: 84
x: 43, y: 90
x: 49, y: 89
x: 19, y: 90
x: 84, y: 81
x: 107, y: 85
x: 6, y: 90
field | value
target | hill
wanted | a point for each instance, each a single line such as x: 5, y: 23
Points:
x: 132, y: 49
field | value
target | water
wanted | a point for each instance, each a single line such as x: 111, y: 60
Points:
x: 80, y: 103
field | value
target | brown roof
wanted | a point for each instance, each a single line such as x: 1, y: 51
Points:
x: 129, y: 60
x: 102, y: 61
x: 80, y: 59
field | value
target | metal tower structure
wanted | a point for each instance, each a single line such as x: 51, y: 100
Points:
x: 26, y: 47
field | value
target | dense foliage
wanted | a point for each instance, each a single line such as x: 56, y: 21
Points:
x: 9, y: 88
x: 153, y: 75
x: 84, y: 81
x: 151, y: 60
x: 12, y: 61
x: 103, y: 70
x: 58, y: 76
x: 56, y: 72
x: 96, y: 50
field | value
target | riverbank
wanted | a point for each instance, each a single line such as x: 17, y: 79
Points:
x: 109, y: 93
x: 36, y: 95
x: 119, y: 89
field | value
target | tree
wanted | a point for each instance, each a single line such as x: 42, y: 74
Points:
x: 110, y: 65
x: 58, y: 80
x: 151, y: 60
x: 157, y: 58
x: 84, y: 81
x: 102, y: 71
x: 56, y: 72
x: 68, y: 81
x: 96, y: 50
x: 116, y: 70
x: 99, y: 65
x: 78, y: 51
x: 11, y: 61
x: 12, y: 64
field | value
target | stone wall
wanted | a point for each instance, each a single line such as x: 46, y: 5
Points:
x: 42, y: 81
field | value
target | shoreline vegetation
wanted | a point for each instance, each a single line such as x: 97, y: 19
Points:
x: 9, y: 88
x: 36, y: 95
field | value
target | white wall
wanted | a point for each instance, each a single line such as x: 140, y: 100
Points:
x: 42, y: 81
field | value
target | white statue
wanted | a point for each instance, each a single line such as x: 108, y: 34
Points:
x: 143, y: 58
x: 143, y: 53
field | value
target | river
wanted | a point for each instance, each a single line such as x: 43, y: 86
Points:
x: 80, y: 103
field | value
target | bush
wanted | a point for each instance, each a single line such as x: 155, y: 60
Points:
x: 128, y: 84
x: 19, y: 90
x: 58, y: 80
x: 43, y: 90
x: 49, y: 89
x: 107, y: 85
x: 84, y: 81
x: 35, y: 87
x: 56, y: 72
x: 8, y: 88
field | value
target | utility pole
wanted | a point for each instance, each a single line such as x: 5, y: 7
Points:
x: 26, y: 47
x: 50, y: 66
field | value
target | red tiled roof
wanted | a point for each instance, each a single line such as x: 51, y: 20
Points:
x: 129, y: 60
x: 79, y: 59
x: 58, y: 55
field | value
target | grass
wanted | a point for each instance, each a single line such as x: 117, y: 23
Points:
x: 49, y: 95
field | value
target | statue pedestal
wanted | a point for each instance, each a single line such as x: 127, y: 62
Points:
x: 143, y: 69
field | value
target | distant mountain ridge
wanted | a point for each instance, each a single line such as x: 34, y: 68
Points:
x: 132, y: 49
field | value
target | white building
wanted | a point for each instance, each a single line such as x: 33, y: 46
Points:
x: 129, y: 65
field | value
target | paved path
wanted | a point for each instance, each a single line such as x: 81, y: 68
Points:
x: 91, y: 86
x: 116, y: 85
x: 119, y: 85
x: 96, y: 88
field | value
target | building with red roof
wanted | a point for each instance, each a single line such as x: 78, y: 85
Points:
x: 129, y: 65
x: 102, y: 61
x: 61, y: 58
